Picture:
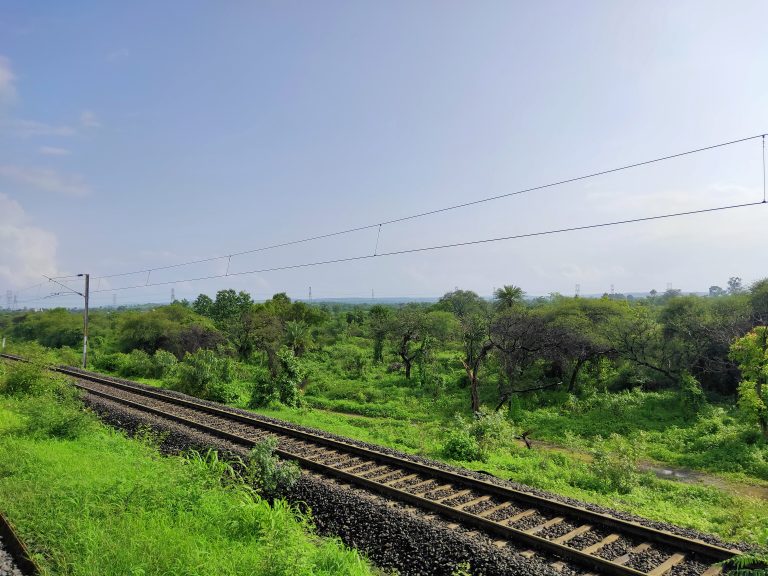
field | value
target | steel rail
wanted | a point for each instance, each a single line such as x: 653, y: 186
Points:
x: 625, y: 527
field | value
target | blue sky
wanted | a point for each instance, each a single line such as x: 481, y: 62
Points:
x: 143, y: 134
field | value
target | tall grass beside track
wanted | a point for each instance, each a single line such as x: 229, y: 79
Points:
x: 88, y: 501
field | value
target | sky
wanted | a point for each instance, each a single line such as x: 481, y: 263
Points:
x: 141, y: 134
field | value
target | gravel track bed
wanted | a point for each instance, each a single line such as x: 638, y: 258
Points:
x: 616, y: 549
x: 482, y: 506
x: 7, y: 565
x: 557, y: 530
x: 587, y: 539
x: 535, y: 519
x: 687, y: 532
x: 648, y: 560
x: 406, y: 483
x: 438, y: 494
x: 504, y: 513
x: 397, y: 474
x: 459, y: 500
x: 687, y: 568
x: 367, y: 468
x: 424, y: 488
x: 392, y: 535
x: 373, y: 474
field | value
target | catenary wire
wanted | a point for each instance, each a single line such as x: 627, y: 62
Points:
x: 445, y: 246
x: 435, y: 211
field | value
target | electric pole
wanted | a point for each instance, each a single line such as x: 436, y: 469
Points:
x: 85, y: 309
x: 85, y: 318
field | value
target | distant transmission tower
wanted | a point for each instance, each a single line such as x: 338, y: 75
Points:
x: 669, y: 286
x: 612, y: 292
x: 8, y: 298
x: 173, y: 295
x: 114, y: 300
x: 310, y: 293
x: 373, y: 297
x: 578, y: 290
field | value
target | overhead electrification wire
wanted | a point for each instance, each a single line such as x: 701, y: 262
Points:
x: 444, y: 246
x: 429, y: 212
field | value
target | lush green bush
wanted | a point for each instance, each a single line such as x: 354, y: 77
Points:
x: 270, y: 476
x: 164, y: 364
x: 60, y: 417
x: 285, y: 388
x: 136, y: 363
x: 205, y: 375
x: 692, y: 397
x: 479, y: 438
x: 27, y: 378
x: 614, y: 464
x: 462, y: 445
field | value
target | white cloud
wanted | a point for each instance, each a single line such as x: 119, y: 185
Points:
x: 53, y: 151
x: 46, y: 179
x: 26, y: 251
x: 27, y: 128
x: 7, y: 80
x: 119, y: 54
x: 88, y: 120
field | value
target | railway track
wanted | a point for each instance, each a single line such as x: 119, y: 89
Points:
x: 597, y: 542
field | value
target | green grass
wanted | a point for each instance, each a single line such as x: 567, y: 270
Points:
x: 383, y: 408
x: 102, y: 504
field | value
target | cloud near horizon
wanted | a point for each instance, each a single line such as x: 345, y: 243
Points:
x: 26, y: 251
x: 46, y: 179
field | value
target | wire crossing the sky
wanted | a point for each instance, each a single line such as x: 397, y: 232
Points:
x: 433, y: 212
x: 376, y: 253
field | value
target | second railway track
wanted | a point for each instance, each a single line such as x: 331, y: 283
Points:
x: 598, y: 542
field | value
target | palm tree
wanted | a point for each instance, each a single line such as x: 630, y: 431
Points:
x: 508, y: 296
x: 297, y: 336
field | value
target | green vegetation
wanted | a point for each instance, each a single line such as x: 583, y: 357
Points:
x: 603, y: 388
x: 89, y: 501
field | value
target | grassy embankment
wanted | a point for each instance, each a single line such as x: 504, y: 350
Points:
x: 599, y: 439
x: 89, y: 501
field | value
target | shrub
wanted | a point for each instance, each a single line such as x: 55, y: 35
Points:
x: 270, y: 476
x: 137, y: 363
x: 27, y: 379
x: 63, y: 418
x: 461, y: 445
x: 692, y: 397
x: 164, y: 364
x: 107, y: 362
x: 204, y: 375
x: 284, y: 388
x: 477, y: 439
x: 615, y: 468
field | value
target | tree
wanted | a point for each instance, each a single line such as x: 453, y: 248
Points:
x: 716, y: 291
x: 758, y: 301
x: 473, y: 315
x: 508, y: 296
x: 751, y: 354
x: 267, y: 334
x: 461, y: 303
x: 203, y: 305
x: 413, y: 330
x: 477, y: 344
x: 230, y: 305
x: 734, y: 285
x: 378, y: 319
x: 297, y: 336
x: 583, y: 325
x: 522, y: 337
